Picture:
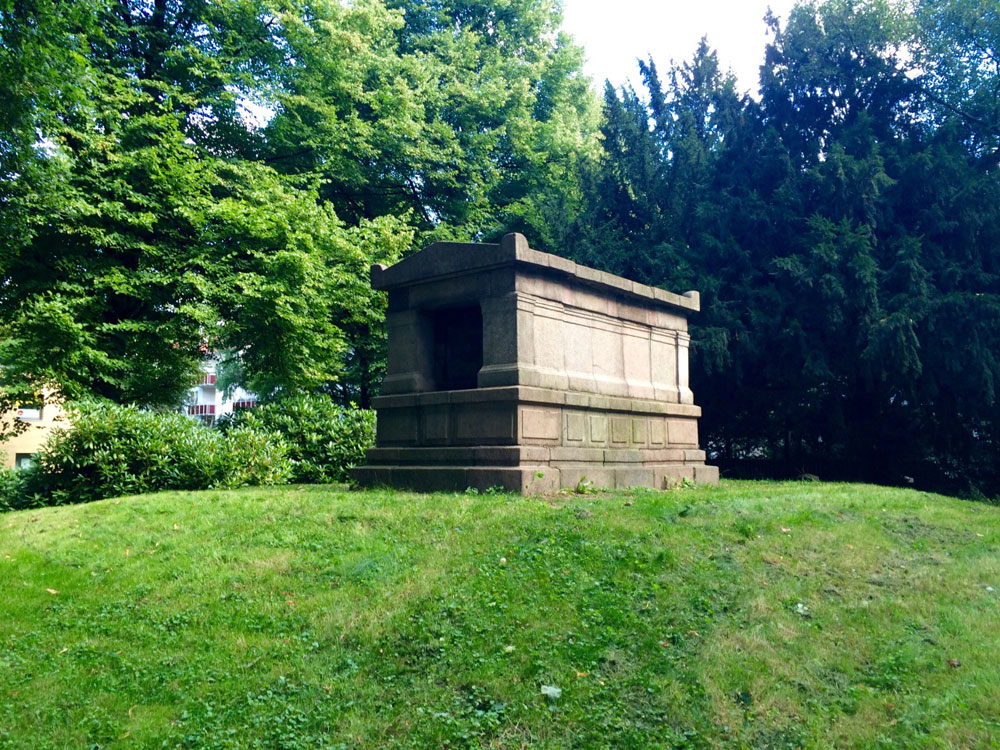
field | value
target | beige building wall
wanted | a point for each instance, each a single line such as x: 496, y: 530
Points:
x: 31, y: 440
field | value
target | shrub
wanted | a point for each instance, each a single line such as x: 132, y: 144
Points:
x: 324, y: 439
x: 111, y: 450
x: 11, y: 489
x: 253, y: 457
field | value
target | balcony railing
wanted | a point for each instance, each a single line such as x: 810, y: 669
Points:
x: 201, y: 410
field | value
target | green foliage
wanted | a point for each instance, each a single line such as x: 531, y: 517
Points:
x: 42, y: 48
x: 160, y: 250
x: 324, y: 439
x: 247, y: 456
x: 470, y: 117
x: 10, y: 424
x: 12, y: 483
x: 955, y: 43
x: 144, y: 216
x: 110, y: 450
x: 843, y: 234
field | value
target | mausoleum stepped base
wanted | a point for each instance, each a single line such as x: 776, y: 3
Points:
x: 541, y: 479
x: 532, y: 440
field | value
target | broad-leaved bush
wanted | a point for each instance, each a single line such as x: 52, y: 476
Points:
x: 109, y: 450
x: 324, y: 439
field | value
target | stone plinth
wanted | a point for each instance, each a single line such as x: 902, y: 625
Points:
x: 512, y: 367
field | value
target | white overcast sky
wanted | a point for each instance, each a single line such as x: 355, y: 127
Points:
x: 614, y: 33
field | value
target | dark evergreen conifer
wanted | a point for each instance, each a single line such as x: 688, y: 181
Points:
x: 843, y: 232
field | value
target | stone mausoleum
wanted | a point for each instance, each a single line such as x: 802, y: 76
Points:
x: 512, y: 367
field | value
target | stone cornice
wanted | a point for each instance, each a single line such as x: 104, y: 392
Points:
x: 448, y: 259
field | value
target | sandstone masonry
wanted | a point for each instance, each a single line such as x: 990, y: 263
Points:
x: 512, y: 367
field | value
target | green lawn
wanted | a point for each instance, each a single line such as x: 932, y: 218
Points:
x: 762, y: 615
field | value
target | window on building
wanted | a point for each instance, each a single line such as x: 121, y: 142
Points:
x: 24, y: 460
x: 29, y: 412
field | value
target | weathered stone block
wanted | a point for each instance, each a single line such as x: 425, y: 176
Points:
x: 575, y: 427
x: 705, y: 474
x: 599, y: 429
x: 657, y: 432
x: 682, y: 431
x: 588, y: 455
x: 543, y: 424
x: 593, y: 477
x: 619, y: 430
x: 634, y: 478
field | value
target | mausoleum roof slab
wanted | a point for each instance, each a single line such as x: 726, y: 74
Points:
x: 450, y: 259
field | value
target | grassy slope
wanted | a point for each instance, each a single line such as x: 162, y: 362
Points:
x: 749, y: 615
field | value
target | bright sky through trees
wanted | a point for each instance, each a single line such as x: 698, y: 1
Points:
x: 615, y: 33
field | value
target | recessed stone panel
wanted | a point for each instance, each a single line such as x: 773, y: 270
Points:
x: 620, y: 430
x: 398, y: 428
x: 579, y: 358
x: 657, y: 431
x: 609, y: 370
x: 541, y: 424
x: 472, y: 422
x: 549, y: 346
x: 682, y: 431
x: 639, y: 431
x: 575, y: 427
x: 435, y: 424
x: 599, y: 429
x: 637, y: 364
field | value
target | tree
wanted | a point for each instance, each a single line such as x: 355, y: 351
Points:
x: 142, y: 241
x: 42, y: 50
x: 956, y: 43
x: 471, y: 118
x: 843, y: 232
x: 149, y: 217
x: 144, y: 251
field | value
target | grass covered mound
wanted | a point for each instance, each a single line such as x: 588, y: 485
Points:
x: 748, y: 615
